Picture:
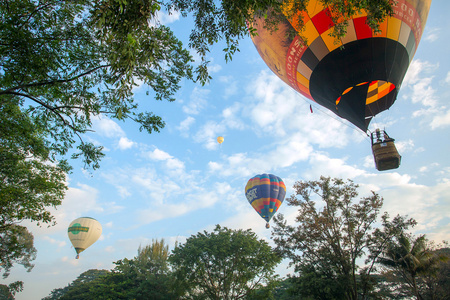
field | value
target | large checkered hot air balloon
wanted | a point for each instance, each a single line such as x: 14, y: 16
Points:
x: 357, y: 76
x: 265, y: 192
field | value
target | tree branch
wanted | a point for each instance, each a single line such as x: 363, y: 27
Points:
x: 51, y: 82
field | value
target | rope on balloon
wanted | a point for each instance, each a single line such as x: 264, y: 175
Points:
x: 337, y: 118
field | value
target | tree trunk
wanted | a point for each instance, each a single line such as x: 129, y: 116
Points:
x: 416, y: 291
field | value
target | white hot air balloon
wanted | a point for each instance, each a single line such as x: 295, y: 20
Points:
x: 83, y: 232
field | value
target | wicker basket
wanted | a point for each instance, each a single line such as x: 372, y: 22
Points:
x: 386, y: 155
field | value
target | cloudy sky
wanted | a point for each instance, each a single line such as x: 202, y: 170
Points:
x: 181, y: 181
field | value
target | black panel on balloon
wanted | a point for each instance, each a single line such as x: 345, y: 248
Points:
x: 359, y: 61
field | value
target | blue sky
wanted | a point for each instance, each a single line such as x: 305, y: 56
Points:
x: 178, y: 182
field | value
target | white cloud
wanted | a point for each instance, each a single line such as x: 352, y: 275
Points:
x: 416, y: 70
x: 109, y: 249
x: 108, y: 225
x: 284, y: 154
x: 159, y: 155
x: 333, y: 167
x: 424, y: 203
x: 403, y: 146
x: 54, y: 241
x: 423, y: 93
x: 125, y: 143
x: 197, y: 101
x: 208, y: 134
x: 431, y: 34
x: 79, y: 201
x: 199, y: 199
x: 171, y: 163
x: 441, y: 120
x: 168, y: 18
x: 123, y: 191
x: 156, y: 188
x: 231, y: 117
x: 107, y: 127
x: 447, y: 78
x: 277, y: 109
x: 185, y: 125
x: 214, y: 68
x: 232, y: 86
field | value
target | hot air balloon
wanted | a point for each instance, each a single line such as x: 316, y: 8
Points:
x: 83, y: 232
x: 220, y: 139
x: 355, y: 77
x: 265, y: 192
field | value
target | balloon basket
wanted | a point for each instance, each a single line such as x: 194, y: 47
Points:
x: 386, y: 156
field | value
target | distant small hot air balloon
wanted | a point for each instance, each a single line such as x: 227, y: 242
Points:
x: 265, y: 192
x: 220, y: 139
x: 83, y: 232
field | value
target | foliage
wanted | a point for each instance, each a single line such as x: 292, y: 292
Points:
x: 69, y: 61
x: 16, y: 246
x: 416, y: 263
x: 327, y: 240
x: 224, y: 264
x: 440, y: 284
x: 80, y: 287
x: 29, y: 179
x: 146, y: 276
x: 30, y: 182
x: 7, y: 292
x: 285, y: 290
x: 232, y: 20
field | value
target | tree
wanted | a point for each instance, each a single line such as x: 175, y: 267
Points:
x: 232, y: 20
x: 146, y: 276
x: 63, y: 63
x: 327, y: 241
x: 285, y: 290
x: 69, y: 61
x: 7, y: 292
x: 224, y: 264
x: 30, y: 182
x: 80, y: 287
x: 441, y: 282
x: 414, y: 261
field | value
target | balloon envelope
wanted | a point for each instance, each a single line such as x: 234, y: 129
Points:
x: 220, y: 139
x: 83, y: 232
x: 357, y: 76
x: 265, y: 192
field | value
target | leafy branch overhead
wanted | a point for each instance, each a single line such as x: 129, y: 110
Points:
x: 233, y: 20
x: 69, y: 61
x: 66, y: 62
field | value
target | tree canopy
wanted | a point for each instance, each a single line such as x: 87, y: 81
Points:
x: 70, y: 61
x: 417, y: 264
x: 31, y: 181
x: 146, y: 276
x: 224, y: 264
x: 64, y: 63
x: 235, y: 264
x: 331, y: 234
